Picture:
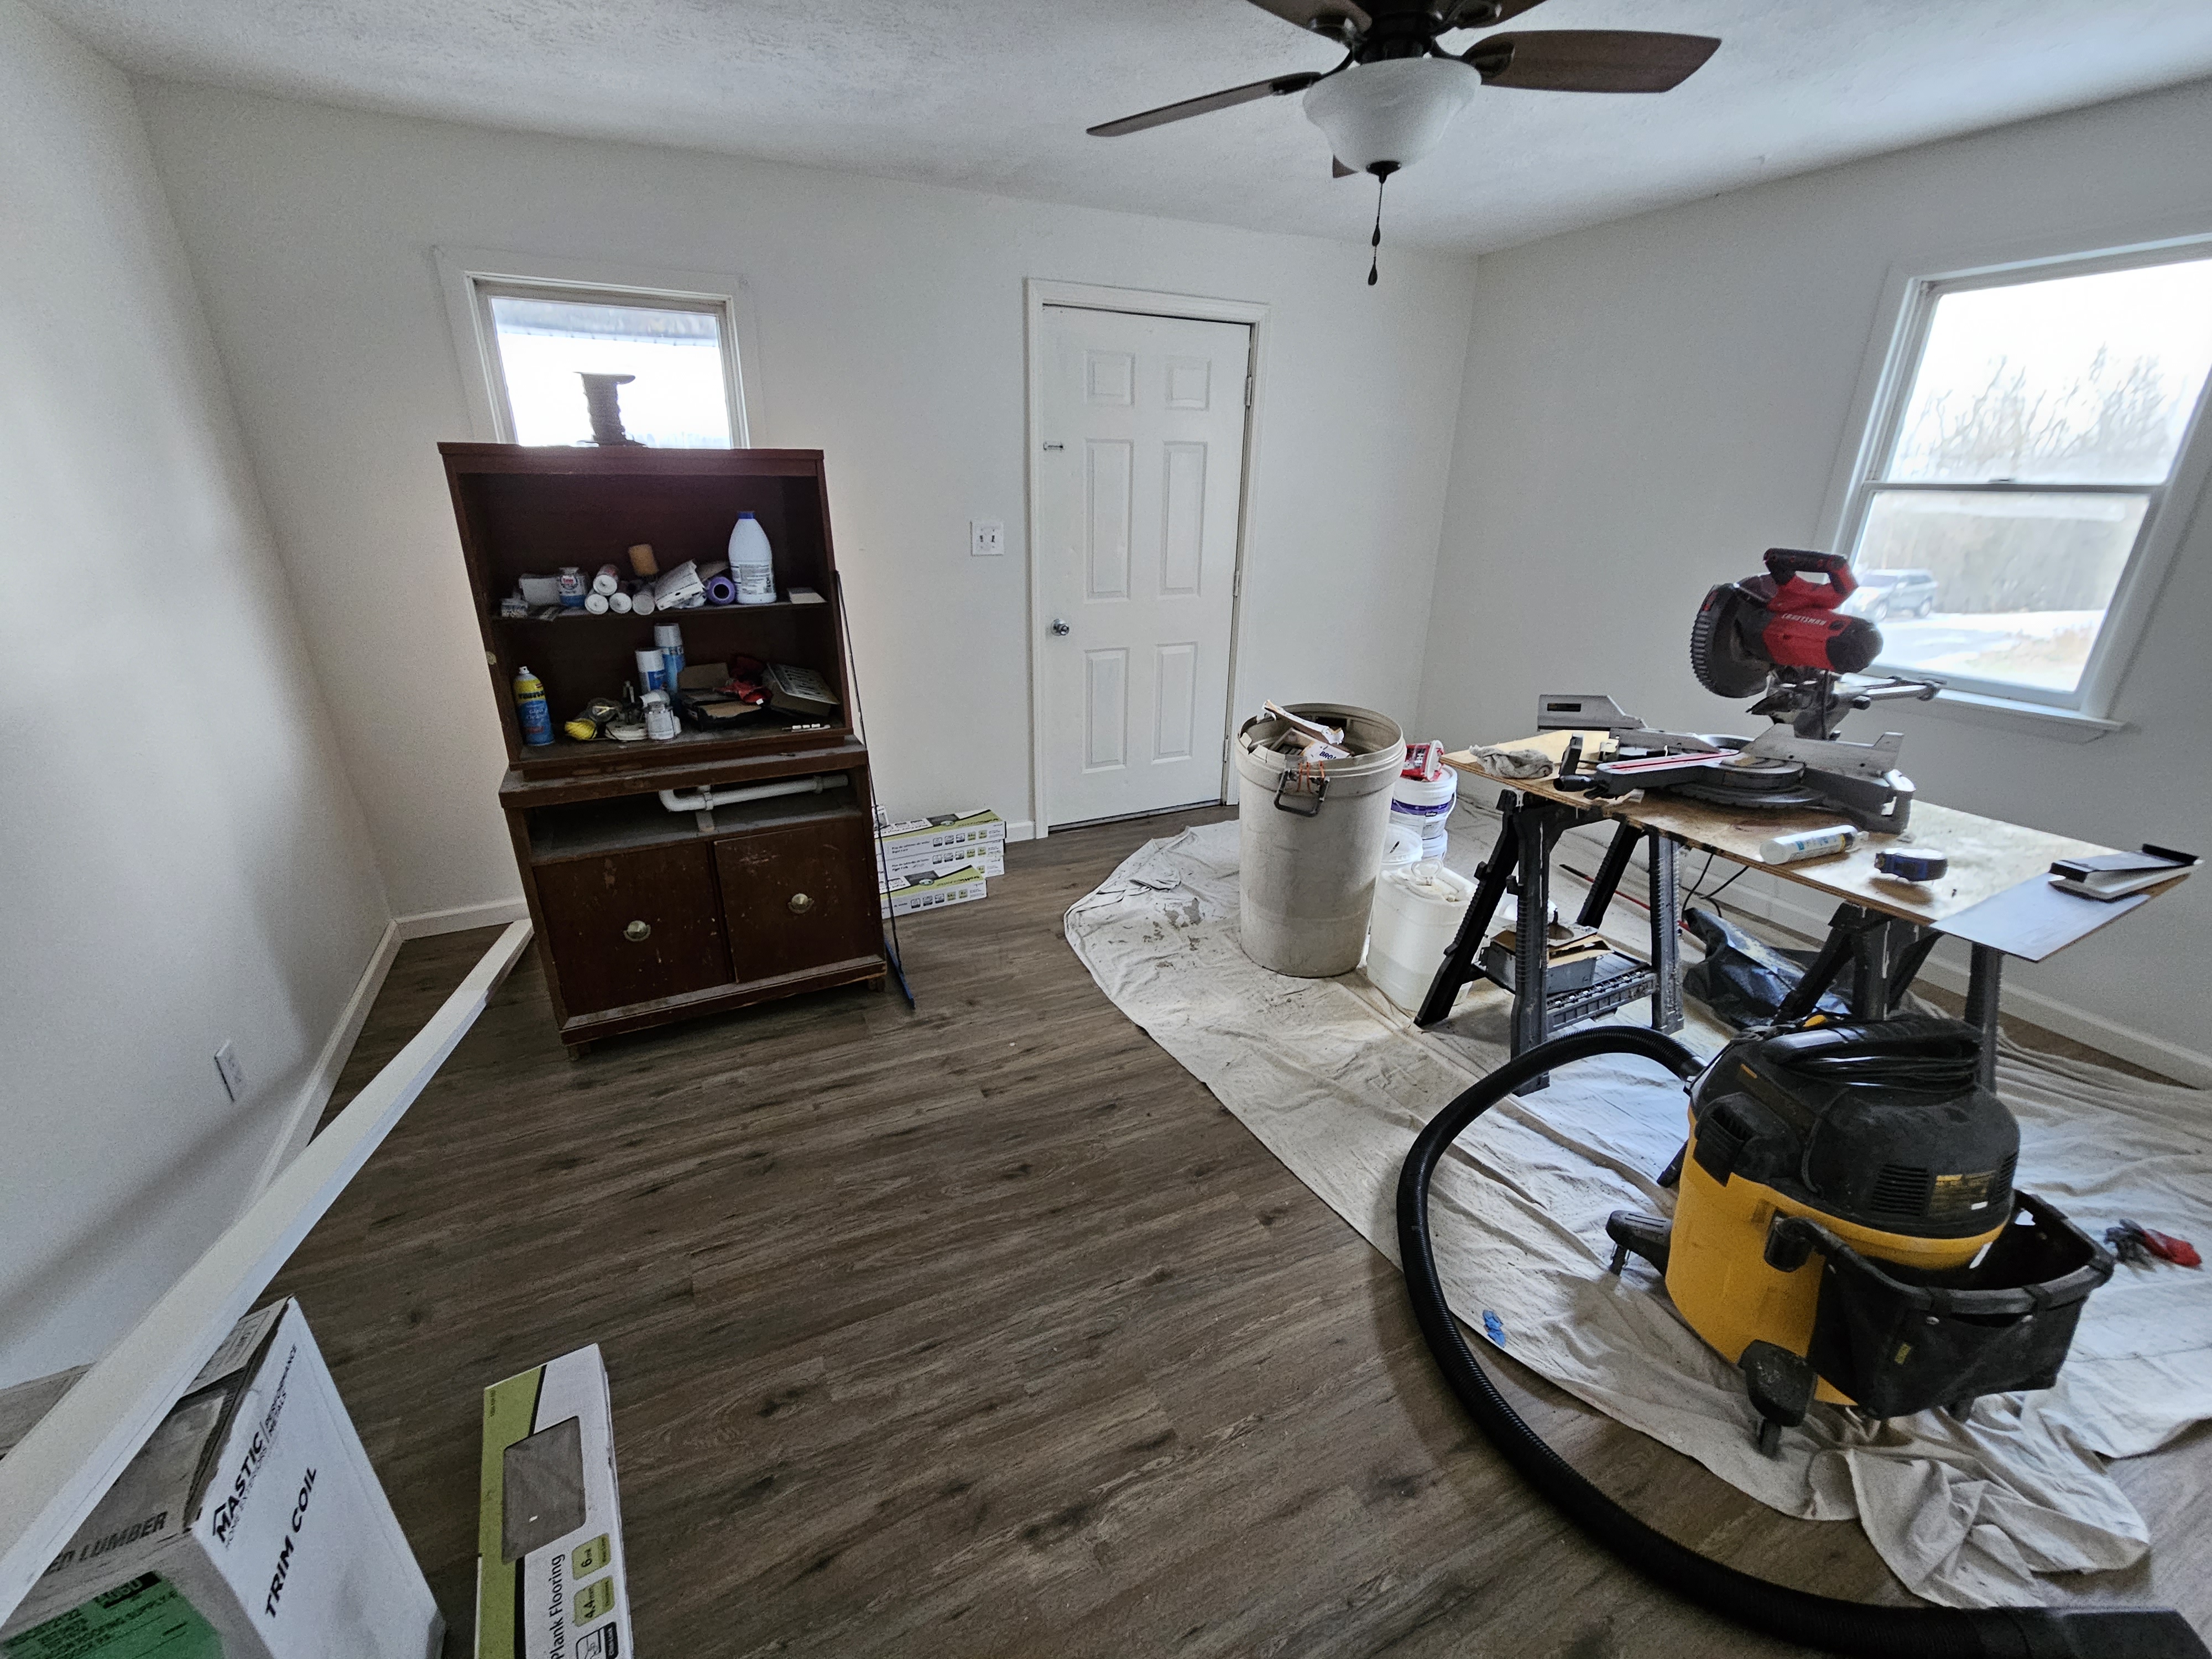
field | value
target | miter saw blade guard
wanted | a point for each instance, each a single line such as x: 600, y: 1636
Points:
x: 1747, y: 630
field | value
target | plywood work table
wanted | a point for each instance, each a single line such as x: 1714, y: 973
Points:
x: 1995, y: 896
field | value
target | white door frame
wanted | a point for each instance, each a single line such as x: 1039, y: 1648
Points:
x: 1036, y: 295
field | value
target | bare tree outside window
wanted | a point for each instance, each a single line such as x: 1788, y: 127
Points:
x: 2042, y: 423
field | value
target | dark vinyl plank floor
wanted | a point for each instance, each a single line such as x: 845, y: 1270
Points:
x: 982, y: 1329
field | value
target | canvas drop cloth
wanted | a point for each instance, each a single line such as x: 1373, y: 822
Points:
x: 1335, y: 1082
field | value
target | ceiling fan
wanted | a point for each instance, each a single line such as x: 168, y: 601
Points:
x: 1389, y: 103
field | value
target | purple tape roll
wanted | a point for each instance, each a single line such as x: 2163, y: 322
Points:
x: 721, y: 590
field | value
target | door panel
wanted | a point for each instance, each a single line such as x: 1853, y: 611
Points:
x: 1139, y: 490
x: 1105, y: 710
x: 631, y: 928
x: 799, y: 897
x: 1106, y: 519
x: 1182, y: 520
x: 1175, y: 685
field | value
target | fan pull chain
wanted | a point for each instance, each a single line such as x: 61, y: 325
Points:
x: 1381, y: 177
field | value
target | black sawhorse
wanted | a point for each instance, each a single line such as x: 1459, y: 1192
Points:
x: 1521, y: 863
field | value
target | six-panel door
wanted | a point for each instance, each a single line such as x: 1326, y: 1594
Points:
x: 1138, y: 487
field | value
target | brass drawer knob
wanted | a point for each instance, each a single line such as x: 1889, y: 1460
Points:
x: 637, y: 932
x: 800, y: 904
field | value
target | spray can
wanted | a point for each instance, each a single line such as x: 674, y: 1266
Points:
x: 670, y: 638
x: 530, y: 707
x: 1808, y: 844
x: 652, y: 676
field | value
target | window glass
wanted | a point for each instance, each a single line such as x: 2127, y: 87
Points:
x: 2010, y: 586
x: 678, y: 400
x: 2078, y: 380
x: 2041, y: 424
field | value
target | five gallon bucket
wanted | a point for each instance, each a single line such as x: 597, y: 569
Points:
x: 1312, y: 839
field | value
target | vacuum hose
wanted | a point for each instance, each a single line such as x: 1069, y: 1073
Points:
x: 1814, y: 1621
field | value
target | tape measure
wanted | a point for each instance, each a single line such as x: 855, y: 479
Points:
x: 1911, y: 866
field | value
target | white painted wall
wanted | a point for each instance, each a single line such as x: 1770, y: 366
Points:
x: 890, y: 322
x: 185, y: 862
x: 1651, y: 403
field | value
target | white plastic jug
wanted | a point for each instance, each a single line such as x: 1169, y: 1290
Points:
x: 1417, y: 910
x: 753, y: 564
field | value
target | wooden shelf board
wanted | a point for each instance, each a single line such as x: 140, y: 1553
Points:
x: 590, y: 829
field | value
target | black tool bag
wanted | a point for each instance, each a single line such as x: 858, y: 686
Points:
x: 1898, y: 1346
x: 1745, y: 981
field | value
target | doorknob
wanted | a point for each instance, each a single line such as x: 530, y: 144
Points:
x: 1059, y: 625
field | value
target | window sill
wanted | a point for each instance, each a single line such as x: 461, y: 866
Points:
x: 2036, y: 719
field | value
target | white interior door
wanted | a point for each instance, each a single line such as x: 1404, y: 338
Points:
x: 1137, y: 485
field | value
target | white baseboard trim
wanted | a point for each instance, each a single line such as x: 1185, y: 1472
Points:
x: 1794, y: 909
x: 1022, y: 830
x: 497, y: 913
x: 323, y: 1081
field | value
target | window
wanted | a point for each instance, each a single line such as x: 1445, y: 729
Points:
x: 679, y: 349
x: 2033, y: 424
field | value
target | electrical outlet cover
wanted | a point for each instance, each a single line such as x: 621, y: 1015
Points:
x: 227, y: 1067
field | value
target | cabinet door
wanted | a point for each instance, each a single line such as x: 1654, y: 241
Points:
x: 632, y: 927
x: 800, y: 897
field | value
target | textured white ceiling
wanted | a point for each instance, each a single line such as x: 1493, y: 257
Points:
x: 994, y: 94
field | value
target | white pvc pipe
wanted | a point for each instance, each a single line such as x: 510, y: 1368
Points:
x: 707, y: 798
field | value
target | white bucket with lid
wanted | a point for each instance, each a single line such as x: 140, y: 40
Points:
x: 1425, y: 807
x: 1311, y: 844
x: 1417, y: 911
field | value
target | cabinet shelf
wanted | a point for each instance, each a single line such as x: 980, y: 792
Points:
x: 693, y: 613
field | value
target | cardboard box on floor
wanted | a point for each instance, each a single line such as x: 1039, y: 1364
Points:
x: 551, y: 1579
x: 917, y: 844
x: 250, y: 1526
x: 931, y: 890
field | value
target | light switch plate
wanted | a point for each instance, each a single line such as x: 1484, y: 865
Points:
x: 227, y: 1067
x: 987, y: 538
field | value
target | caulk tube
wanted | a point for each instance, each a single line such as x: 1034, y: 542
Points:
x: 607, y: 580
x: 1808, y: 844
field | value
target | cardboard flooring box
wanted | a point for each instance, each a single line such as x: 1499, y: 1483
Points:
x: 551, y: 1580
x: 931, y: 890
x: 919, y: 844
x: 250, y: 1526
x: 990, y: 858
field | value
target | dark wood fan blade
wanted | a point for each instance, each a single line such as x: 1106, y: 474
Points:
x: 1205, y: 105
x: 1589, y: 60
x: 1338, y: 170
x: 1323, y: 16
x: 1485, y: 14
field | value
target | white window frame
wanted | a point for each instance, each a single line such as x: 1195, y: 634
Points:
x: 1893, y: 360
x: 472, y: 277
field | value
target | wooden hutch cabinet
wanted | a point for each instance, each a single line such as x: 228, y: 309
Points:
x: 645, y: 915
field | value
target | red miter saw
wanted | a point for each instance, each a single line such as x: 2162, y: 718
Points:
x: 1783, y: 637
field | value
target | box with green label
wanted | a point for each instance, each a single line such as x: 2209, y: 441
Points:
x: 249, y: 1526
x: 551, y: 1582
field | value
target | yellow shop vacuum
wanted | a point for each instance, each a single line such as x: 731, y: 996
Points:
x: 1845, y: 1230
